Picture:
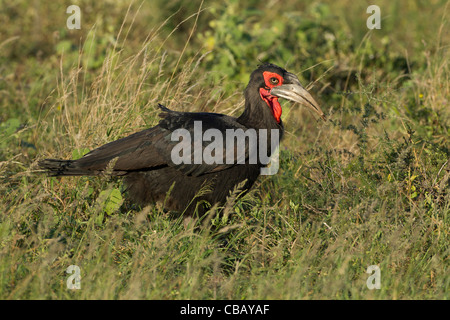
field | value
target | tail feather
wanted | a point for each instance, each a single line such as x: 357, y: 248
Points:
x: 56, y: 167
x: 116, y: 158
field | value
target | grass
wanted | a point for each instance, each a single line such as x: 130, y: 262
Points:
x: 369, y: 187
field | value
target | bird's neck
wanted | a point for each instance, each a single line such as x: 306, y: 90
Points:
x: 257, y: 115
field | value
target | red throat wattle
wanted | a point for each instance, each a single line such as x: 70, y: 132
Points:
x: 271, y: 100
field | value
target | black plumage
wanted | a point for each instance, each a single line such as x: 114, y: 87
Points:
x: 145, y: 161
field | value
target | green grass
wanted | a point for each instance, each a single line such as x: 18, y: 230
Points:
x: 369, y: 187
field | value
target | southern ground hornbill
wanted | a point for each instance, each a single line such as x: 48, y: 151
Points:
x: 146, y: 159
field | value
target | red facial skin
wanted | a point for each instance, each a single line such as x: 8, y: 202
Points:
x: 272, y: 101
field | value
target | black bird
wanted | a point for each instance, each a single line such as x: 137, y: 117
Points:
x: 146, y: 159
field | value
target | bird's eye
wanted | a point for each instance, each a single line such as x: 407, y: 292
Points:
x: 274, y: 80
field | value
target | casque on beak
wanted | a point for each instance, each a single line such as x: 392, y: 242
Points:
x: 294, y: 91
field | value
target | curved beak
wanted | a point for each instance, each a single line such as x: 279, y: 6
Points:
x: 294, y: 91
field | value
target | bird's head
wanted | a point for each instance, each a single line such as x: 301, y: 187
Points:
x: 270, y: 82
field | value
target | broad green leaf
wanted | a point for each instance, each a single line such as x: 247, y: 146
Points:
x: 78, y: 153
x: 110, y: 200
